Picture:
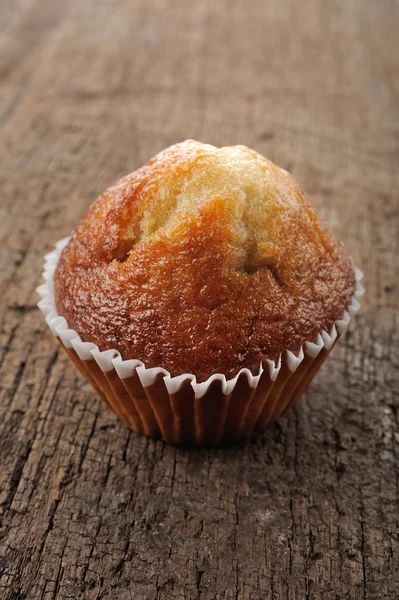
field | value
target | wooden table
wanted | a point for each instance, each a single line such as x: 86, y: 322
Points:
x: 90, y: 510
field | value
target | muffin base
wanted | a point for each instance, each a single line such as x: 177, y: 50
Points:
x: 179, y: 410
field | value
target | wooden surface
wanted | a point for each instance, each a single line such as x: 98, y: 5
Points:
x: 89, y: 510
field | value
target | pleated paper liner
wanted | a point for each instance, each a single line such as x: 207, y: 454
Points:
x: 178, y: 409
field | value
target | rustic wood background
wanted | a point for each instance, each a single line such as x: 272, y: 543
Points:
x: 88, y: 509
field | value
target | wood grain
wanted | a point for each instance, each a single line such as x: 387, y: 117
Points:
x: 89, y: 510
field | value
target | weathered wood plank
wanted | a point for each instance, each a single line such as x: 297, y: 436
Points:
x: 90, y: 510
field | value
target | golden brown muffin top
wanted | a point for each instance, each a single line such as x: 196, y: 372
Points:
x: 206, y: 260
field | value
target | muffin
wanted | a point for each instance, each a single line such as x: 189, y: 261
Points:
x: 200, y: 294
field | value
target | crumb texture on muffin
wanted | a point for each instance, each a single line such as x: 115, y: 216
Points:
x: 206, y: 260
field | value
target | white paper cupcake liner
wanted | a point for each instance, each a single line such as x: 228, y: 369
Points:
x: 180, y: 409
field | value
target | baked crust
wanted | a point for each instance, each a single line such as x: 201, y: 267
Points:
x: 206, y: 260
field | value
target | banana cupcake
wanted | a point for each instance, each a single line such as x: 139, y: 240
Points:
x: 200, y: 294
